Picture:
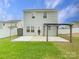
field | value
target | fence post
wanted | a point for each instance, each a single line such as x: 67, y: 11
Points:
x: 70, y: 33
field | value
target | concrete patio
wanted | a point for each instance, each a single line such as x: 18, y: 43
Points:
x: 40, y: 38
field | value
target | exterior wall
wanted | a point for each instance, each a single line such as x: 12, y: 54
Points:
x: 20, y: 24
x: 38, y: 21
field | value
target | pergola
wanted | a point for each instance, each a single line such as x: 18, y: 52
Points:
x: 57, y: 26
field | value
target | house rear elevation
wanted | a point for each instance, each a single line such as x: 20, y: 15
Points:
x: 34, y: 20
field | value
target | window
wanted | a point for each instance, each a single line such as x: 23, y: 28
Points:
x: 32, y: 29
x: 33, y: 16
x: 49, y: 27
x: 3, y: 24
x: 28, y: 29
x: 45, y: 15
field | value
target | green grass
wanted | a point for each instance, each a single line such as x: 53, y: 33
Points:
x: 28, y: 50
x: 38, y: 50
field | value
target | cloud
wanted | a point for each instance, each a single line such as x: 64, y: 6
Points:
x: 7, y: 3
x: 2, y: 13
x: 4, y: 6
x: 10, y: 17
x: 68, y: 12
x: 52, y: 3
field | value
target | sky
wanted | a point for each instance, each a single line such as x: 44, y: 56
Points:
x: 68, y: 10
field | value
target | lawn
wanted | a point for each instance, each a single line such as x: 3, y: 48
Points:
x: 28, y: 50
x: 38, y: 50
x: 69, y: 50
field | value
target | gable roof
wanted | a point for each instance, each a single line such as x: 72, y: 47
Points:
x: 11, y: 21
x: 1, y: 21
x: 40, y: 10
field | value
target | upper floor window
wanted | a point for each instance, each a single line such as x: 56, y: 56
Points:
x: 33, y: 16
x: 44, y: 15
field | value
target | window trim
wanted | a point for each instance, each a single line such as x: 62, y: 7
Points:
x: 32, y: 29
x: 45, y: 15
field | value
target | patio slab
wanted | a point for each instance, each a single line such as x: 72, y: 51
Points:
x: 40, y: 38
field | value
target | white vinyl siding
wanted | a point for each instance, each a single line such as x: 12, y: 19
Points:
x: 38, y: 21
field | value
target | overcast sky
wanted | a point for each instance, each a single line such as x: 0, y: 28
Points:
x: 68, y: 10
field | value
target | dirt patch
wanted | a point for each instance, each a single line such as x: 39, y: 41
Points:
x: 73, y: 35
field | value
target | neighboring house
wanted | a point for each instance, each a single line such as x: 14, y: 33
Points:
x: 10, y: 23
x: 64, y: 27
x: 35, y: 18
x: 75, y: 24
x: 9, y: 28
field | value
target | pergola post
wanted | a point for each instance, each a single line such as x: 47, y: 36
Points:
x: 47, y: 34
x: 70, y: 33
x: 44, y: 30
x: 57, y: 30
